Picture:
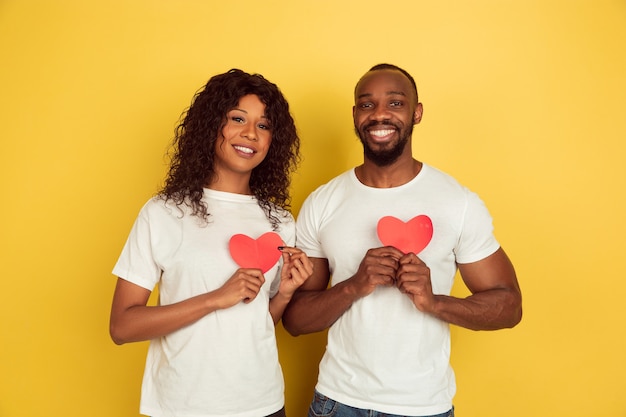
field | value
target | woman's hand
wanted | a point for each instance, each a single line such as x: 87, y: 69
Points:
x: 297, y: 268
x: 244, y: 285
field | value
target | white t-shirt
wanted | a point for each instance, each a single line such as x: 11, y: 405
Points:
x: 225, y: 364
x: 383, y: 353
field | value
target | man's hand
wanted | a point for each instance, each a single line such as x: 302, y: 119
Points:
x: 413, y: 279
x: 378, y: 267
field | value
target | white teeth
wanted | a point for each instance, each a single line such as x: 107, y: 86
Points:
x: 381, y: 133
x: 244, y: 149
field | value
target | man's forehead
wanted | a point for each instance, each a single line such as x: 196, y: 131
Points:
x: 393, y: 82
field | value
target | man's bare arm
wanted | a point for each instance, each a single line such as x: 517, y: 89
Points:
x: 495, y: 303
x: 315, y: 307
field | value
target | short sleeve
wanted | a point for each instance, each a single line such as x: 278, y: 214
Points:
x: 476, y: 240
x: 307, y: 230
x: 136, y: 263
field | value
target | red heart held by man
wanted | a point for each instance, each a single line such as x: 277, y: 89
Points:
x: 261, y: 253
x: 412, y: 236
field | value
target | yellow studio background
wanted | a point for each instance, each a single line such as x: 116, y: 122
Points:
x: 523, y: 102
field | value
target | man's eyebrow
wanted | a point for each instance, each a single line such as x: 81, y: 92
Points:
x: 389, y: 93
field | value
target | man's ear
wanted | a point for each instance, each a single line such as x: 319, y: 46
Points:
x: 417, y: 115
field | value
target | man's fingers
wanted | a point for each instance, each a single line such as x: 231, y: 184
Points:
x: 410, y: 258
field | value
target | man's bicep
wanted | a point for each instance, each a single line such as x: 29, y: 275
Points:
x: 494, y: 272
x: 318, y: 281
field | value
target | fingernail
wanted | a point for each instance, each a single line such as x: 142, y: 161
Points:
x: 281, y: 247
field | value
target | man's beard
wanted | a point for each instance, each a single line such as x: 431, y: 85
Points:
x: 385, y: 157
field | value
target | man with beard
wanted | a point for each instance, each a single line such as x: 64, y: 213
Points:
x: 392, y: 233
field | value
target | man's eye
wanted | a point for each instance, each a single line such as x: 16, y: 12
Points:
x: 365, y: 105
x: 395, y: 104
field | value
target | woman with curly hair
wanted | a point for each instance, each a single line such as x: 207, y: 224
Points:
x: 203, y: 240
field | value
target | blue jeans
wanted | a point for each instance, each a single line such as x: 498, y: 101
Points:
x: 322, y: 406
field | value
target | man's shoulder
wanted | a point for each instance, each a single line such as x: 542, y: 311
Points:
x: 338, y: 182
x: 328, y: 196
x: 440, y: 177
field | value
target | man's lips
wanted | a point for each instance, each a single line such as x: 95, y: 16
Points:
x: 380, y: 133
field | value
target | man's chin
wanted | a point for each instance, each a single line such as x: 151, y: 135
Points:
x: 382, y: 158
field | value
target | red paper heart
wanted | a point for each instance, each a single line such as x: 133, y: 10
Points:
x: 412, y: 236
x: 261, y: 253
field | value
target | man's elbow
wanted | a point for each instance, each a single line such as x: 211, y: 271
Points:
x: 515, y: 309
x: 517, y: 317
x: 117, y: 335
x: 290, y: 325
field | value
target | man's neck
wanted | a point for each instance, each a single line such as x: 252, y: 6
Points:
x: 393, y: 175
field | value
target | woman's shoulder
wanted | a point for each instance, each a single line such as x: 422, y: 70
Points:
x: 160, y: 206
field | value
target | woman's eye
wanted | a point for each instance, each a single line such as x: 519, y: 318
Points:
x: 264, y: 127
x: 237, y: 119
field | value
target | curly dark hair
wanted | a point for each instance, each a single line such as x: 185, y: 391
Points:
x: 193, y: 149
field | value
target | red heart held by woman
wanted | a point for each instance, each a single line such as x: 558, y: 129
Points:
x: 412, y: 236
x: 261, y: 253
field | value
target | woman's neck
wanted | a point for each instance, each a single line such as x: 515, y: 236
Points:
x: 230, y: 184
